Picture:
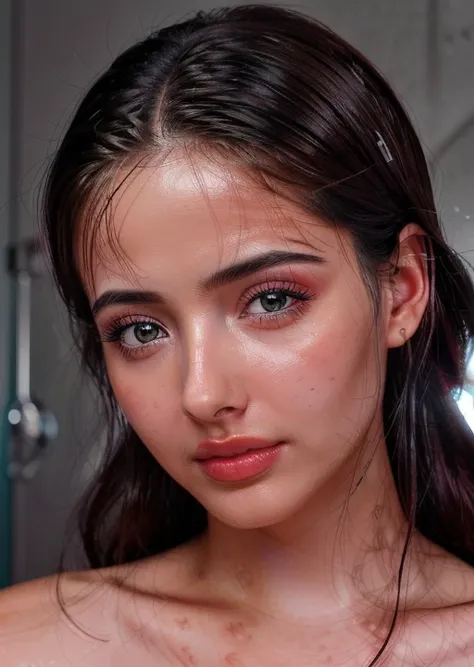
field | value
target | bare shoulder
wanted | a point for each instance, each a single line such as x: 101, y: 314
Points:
x: 83, y: 618
x: 48, y: 619
x: 449, y: 582
x: 26, y: 602
x: 443, y: 636
x: 440, y: 615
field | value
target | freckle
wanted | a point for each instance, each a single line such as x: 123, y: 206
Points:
x: 188, y: 657
x: 238, y: 630
x: 244, y: 578
x: 182, y: 623
x: 312, y: 388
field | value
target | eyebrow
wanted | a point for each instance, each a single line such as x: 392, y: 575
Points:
x: 254, y: 264
x: 125, y: 298
x: 218, y: 279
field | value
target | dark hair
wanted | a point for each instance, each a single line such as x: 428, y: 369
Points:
x: 283, y: 96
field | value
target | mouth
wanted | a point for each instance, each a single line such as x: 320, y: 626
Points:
x: 238, y: 459
x: 231, y: 447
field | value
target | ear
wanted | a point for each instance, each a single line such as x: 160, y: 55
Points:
x: 408, y: 291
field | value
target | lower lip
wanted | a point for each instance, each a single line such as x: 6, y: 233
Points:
x: 243, y: 466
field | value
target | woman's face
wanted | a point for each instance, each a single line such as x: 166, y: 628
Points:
x: 231, y: 312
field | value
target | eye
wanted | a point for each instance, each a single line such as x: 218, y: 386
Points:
x: 141, y: 333
x: 270, y: 302
x: 133, y: 333
x: 275, y: 303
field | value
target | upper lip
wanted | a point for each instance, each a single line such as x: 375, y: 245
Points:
x: 230, y: 446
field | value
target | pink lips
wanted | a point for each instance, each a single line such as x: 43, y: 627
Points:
x: 237, y: 458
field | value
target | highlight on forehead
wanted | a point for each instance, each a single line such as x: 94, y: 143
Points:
x: 98, y: 234
x: 206, y: 172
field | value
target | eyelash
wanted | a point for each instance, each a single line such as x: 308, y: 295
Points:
x: 114, y: 332
x: 288, y: 289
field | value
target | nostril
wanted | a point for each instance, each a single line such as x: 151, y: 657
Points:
x: 225, y: 411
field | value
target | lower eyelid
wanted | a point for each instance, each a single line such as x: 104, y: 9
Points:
x: 294, y: 311
x: 141, y: 346
x: 136, y: 351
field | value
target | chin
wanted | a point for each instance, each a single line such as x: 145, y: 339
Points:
x: 248, y: 509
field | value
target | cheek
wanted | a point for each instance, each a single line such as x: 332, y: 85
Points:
x: 146, y: 397
x: 331, y: 375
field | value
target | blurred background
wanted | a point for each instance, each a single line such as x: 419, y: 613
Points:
x: 50, y: 51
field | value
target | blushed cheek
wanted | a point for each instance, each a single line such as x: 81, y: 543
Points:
x: 157, y: 426
x: 146, y: 402
x: 326, y: 379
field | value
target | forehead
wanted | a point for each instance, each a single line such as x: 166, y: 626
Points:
x: 186, y: 217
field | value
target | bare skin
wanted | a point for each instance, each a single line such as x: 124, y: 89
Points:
x: 298, y: 566
x: 165, y: 613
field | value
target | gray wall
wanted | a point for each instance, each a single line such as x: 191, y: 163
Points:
x: 424, y: 47
x: 5, y: 81
x: 5, y: 73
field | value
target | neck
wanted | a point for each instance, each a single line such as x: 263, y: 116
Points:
x: 342, y: 549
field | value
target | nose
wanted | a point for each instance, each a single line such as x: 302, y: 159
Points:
x: 214, y: 380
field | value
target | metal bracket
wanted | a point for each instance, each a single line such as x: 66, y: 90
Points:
x: 33, y: 425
